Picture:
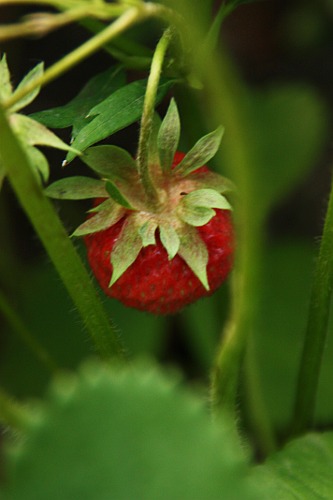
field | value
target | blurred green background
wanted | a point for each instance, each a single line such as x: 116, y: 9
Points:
x: 273, y: 43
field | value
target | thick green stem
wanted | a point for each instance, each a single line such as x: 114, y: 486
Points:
x: 148, y: 114
x: 19, y: 328
x: 56, y: 242
x: 316, y: 331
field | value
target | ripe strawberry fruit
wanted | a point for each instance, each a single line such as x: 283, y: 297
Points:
x: 160, y: 250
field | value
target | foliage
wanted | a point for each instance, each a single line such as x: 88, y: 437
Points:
x: 123, y: 424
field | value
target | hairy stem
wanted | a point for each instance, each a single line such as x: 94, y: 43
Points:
x: 19, y: 328
x: 56, y: 242
x: 316, y: 331
x: 148, y: 114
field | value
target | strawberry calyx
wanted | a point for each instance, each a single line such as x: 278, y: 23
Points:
x: 187, y: 196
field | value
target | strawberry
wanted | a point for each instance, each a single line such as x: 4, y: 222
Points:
x: 162, y: 252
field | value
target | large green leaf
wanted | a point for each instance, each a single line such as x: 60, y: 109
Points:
x: 301, y: 471
x: 119, y: 110
x: 74, y: 113
x: 126, y: 435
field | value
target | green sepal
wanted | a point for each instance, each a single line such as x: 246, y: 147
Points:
x: 117, y: 196
x: 196, y: 216
x: 211, y: 180
x: 126, y: 249
x: 102, y: 220
x: 169, y: 239
x: 6, y: 88
x: 76, y: 188
x: 147, y: 233
x: 153, y: 156
x: 193, y: 250
x: 203, y: 151
x: 168, y: 136
x: 110, y: 162
x: 36, y: 72
x: 207, y: 198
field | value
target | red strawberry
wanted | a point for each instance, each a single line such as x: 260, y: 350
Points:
x: 160, y: 256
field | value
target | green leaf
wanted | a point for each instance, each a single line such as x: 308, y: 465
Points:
x: 208, y: 198
x: 38, y: 162
x: 118, y: 111
x: 110, y: 162
x: 169, y: 239
x: 193, y: 250
x: 117, y: 196
x: 302, y: 470
x: 168, y: 136
x: 76, y: 188
x: 126, y: 249
x: 102, y: 220
x: 5, y: 84
x: 196, y: 216
x: 36, y: 72
x: 74, y: 113
x: 2, y: 174
x: 126, y: 434
x: 147, y: 233
x: 32, y: 132
x: 203, y: 151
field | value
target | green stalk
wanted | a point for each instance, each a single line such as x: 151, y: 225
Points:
x: 128, y: 19
x: 18, y: 327
x: 148, y: 114
x: 316, y: 331
x: 56, y: 242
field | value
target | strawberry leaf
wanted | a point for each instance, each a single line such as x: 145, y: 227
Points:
x: 76, y: 188
x: 38, y: 162
x: 117, y: 196
x: 32, y: 132
x: 147, y: 233
x: 126, y: 249
x: 196, y: 216
x: 103, y: 219
x: 193, y: 250
x: 111, y: 162
x: 201, y: 153
x: 5, y: 84
x: 168, y: 136
x: 208, y: 198
x: 2, y: 174
x: 74, y: 113
x: 169, y: 239
x: 27, y: 99
x: 118, y: 111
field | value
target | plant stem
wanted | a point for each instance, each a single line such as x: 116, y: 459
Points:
x: 316, y: 330
x: 128, y: 19
x: 148, y: 114
x: 25, y: 335
x: 56, y: 242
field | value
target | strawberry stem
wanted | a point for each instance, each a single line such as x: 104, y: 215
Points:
x: 147, y: 117
x: 18, y: 327
x: 56, y: 242
x: 316, y: 331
